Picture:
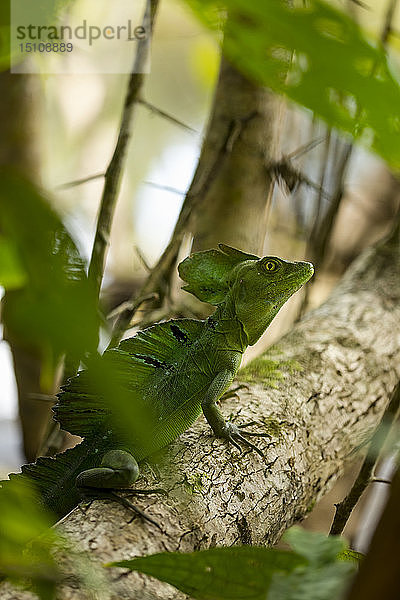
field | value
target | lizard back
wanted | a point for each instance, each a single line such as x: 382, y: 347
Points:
x: 164, y: 370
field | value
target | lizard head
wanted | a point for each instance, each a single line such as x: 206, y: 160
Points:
x: 256, y: 288
x: 259, y: 288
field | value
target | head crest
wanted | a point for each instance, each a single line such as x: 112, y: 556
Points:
x: 207, y: 273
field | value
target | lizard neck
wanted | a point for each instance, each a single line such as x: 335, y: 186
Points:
x: 225, y: 322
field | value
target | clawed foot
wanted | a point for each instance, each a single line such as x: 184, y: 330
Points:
x: 234, y: 434
x: 125, y: 502
x: 91, y: 494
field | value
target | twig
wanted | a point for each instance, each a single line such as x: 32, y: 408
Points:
x: 314, y: 232
x: 112, y: 179
x: 365, y: 476
x: 69, y: 184
x: 165, y: 115
x: 125, y: 316
x: 305, y: 148
x: 113, y: 174
x: 291, y: 177
x: 167, y: 188
x: 322, y: 228
x: 322, y: 178
x: 49, y: 398
x: 323, y: 231
x: 387, y: 29
x: 159, y: 276
x: 142, y: 259
x: 378, y: 575
x: 361, y: 4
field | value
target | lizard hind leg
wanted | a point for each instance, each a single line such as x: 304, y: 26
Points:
x: 117, y: 469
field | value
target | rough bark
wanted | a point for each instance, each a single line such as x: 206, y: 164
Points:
x: 240, y: 142
x: 337, y: 368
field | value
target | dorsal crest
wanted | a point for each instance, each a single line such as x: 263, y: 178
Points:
x: 207, y: 273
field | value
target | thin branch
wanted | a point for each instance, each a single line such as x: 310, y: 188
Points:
x: 112, y: 179
x: 166, y: 188
x: 201, y: 183
x: 322, y: 179
x: 365, y: 476
x: 387, y: 28
x: 142, y: 259
x: 165, y: 115
x: 378, y: 575
x: 305, y: 148
x: 286, y: 174
x: 323, y: 232
x: 49, y: 398
x: 361, y: 4
x: 113, y: 174
x: 322, y: 228
x: 69, y: 184
x: 124, y: 318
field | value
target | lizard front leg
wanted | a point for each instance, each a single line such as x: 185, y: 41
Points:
x: 222, y: 429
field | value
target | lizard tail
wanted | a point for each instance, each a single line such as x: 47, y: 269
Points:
x: 53, y: 479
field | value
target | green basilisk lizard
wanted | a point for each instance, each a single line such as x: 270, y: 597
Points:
x: 175, y: 369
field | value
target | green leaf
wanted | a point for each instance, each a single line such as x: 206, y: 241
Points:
x: 326, y: 575
x: 312, y: 583
x: 55, y: 311
x: 48, y: 11
x: 351, y: 556
x: 318, y: 548
x: 219, y: 573
x: 32, y: 554
x: 12, y: 274
x: 336, y: 71
x: 26, y: 541
x: 314, y: 571
x: 4, y: 35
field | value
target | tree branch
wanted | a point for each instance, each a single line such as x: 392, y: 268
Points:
x: 366, y: 474
x: 332, y: 377
x: 378, y: 576
x: 113, y: 174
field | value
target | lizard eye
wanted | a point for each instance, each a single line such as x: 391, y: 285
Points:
x: 270, y: 265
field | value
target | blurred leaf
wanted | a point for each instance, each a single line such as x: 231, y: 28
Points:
x: 326, y: 582
x: 204, y: 57
x: 317, y: 548
x: 351, y: 555
x: 12, y: 275
x: 4, y: 35
x: 55, y: 311
x: 326, y: 575
x: 335, y: 71
x: 26, y: 541
x: 314, y: 571
x: 32, y: 554
x: 49, y: 11
x: 219, y: 573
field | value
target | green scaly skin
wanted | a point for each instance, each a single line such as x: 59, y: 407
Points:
x: 178, y: 369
